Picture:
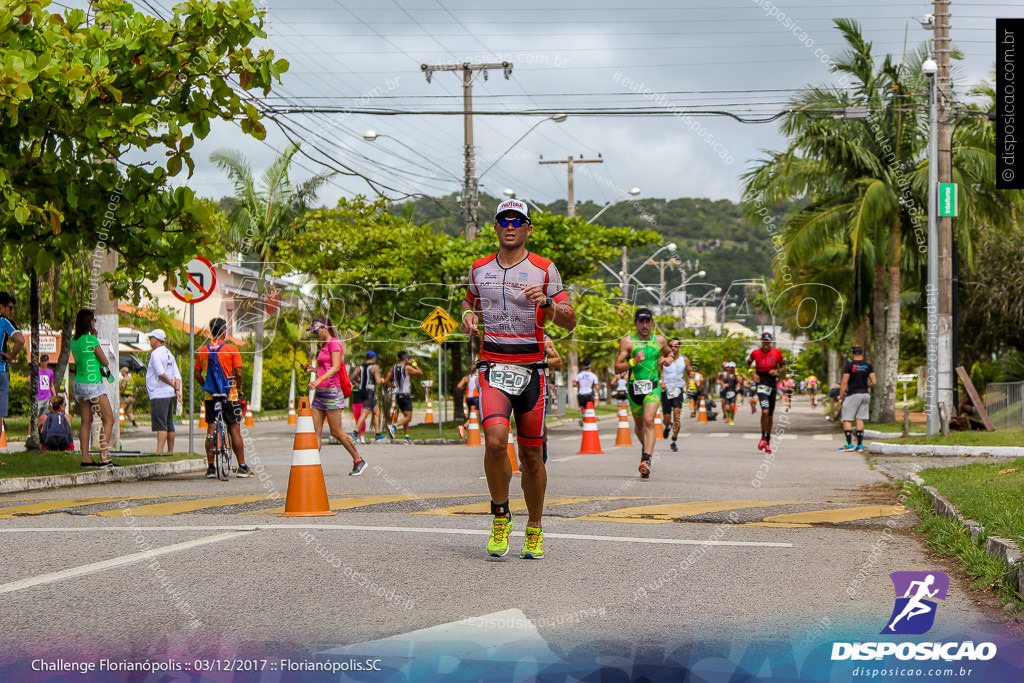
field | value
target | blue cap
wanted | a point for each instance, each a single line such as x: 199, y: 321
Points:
x: 371, y: 354
x: 403, y: 355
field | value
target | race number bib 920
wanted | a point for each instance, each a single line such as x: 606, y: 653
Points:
x: 511, y: 379
x: 642, y: 386
x: 672, y: 393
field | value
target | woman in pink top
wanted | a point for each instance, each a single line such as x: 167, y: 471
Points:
x: 327, y: 387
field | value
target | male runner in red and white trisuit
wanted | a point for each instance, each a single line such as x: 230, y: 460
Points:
x: 514, y: 292
x: 767, y: 363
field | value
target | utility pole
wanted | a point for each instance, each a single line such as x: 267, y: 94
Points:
x: 469, y: 187
x: 661, y: 265
x: 572, y: 162
x: 944, y: 97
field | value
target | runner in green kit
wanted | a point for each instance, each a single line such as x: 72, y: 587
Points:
x: 642, y: 355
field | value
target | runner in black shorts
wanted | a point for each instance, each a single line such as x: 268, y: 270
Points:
x: 767, y: 363
x: 513, y: 292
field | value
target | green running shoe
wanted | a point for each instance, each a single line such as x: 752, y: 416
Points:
x: 500, y: 529
x: 534, y: 547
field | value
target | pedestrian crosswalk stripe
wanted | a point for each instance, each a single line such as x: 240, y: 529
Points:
x: 348, y: 503
x: 50, y: 506
x: 839, y: 514
x: 668, y: 512
x: 180, y: 506
x: 515, y: 505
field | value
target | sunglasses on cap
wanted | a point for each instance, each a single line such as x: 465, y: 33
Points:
x: 315, y: 325
x: 644, y: 318
x: 514, y: 222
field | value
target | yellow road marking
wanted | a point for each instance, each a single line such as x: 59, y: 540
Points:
x: 348, y: 503
x: 180, y: 506
x: 37, y: 508
x: 839, y: 515
x: 667, y: 512
x: 516, y: 505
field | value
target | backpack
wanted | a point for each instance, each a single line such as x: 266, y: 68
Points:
x: 56, y: 432
x: 216, y: 381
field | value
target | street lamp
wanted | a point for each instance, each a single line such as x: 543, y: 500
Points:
x: 635, y: 191
x: 372, y: 135
x: 557, y: 118
x: 930, y: 69
x: 704, y: 309
x: 625, y: 277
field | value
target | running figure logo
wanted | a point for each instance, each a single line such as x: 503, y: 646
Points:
x: 913, y: 613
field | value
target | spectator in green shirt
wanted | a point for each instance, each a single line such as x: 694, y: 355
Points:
x: 91, y: 366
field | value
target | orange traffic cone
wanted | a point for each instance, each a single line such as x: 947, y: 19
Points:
x: 473, y: 434
x: 429, y: 418
x: 659, y: 425
x: 702, y: 414
x: 622, y: 437
x: 3, y: 433
x: 120, y: 415
x: 248, y: 416
x: 307, y: 490
x: 202, y: 416
x: 512, y: 458
x: 393, y: 411
x: 591, y: 443
x: 291, y: 413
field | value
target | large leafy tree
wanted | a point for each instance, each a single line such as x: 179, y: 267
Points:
x: 864, y: 188
x: 101, y: 109
x: 263, y: 215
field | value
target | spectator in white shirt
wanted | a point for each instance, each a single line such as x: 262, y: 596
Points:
x: 163, y: 382
x: 586, y: 383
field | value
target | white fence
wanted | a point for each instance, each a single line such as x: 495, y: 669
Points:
x: 1004, y: 402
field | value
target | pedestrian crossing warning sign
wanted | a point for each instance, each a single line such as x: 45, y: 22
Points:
x: 439, y: 325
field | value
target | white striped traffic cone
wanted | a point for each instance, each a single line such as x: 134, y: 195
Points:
x: 307, y: 490
x: 622, y: 436
x: 591, y: 442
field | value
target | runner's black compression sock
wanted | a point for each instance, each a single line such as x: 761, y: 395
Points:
x: 860, y: 437
x: 849, y: 437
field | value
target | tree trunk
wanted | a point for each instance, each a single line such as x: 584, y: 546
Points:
x: 32, y: 440
x: 106, y: 330
x: 835, y: 373
x: 890, y: 372
x: 256, y: 395
x: 877, y: 356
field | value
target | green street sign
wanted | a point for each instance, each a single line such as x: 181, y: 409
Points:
x: 947, y: 199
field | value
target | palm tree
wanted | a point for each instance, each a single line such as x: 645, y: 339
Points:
x: 864, y: 187
x: 261, y: 217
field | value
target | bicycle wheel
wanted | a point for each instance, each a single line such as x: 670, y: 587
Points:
x: 222, y: 454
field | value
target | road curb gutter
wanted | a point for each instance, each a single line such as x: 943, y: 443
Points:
x: 102, y: 476
x: 1001, y: 548
x: 887, y: 448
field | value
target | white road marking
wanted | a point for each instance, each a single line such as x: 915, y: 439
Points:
x: 395, y: 529
x: 116, y: 561
x: 718, y: 435
x: 822, y: 437
x: 752, y: 436
x: 569, y: 438
x: 788, y: 437
x: 571, y: 457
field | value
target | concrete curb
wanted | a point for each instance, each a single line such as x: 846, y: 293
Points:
x: 102, y: 476
x: 1001, y: 548
x: 874, y: 434
x: 886, y: 448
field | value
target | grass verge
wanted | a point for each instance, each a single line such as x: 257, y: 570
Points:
x: 947, y: 537
x: 36, y: 464
x: 981, y: 493
x: 1008, y: 437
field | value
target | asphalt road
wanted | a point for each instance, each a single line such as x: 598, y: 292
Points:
x: 705, y: 554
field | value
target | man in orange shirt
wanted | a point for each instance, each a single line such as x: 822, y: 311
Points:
x: 219, y: 368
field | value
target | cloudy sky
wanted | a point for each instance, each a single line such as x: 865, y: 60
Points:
x: 741, y: 56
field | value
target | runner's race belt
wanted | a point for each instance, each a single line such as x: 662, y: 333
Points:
x: 673, y: 391
x: 509, y: 377
x: 642, y: 386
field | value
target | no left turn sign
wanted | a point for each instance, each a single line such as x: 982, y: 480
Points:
x: 199, y: 281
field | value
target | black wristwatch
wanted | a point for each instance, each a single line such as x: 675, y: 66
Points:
x: 548, y: 302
